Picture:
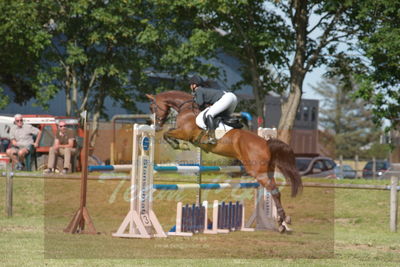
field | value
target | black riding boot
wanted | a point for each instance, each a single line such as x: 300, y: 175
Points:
x: 211, y: 130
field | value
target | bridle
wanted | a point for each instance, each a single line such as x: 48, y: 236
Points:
x: 179, y: 108
x: 159, y: 120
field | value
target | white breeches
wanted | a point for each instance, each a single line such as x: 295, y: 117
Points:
x: 228, y: 103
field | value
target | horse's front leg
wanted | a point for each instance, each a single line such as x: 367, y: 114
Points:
x: 172, y: 136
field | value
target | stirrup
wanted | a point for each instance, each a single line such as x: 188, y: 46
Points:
x: 211, y: 138
x: 212, y: 141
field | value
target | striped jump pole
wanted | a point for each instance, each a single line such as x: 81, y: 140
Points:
x: 204, y: 186
x: 104, y: 168
x: 161, y: 168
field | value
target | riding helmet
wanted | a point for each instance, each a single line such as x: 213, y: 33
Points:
x: 196, y: 80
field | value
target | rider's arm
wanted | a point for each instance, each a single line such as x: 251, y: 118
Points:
x: 70, y: 143
x: 13, y: 137
x: 199, y: 98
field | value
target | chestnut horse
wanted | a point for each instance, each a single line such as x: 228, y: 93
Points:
x: 258, y: 156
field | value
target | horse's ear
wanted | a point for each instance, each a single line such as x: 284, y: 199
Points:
x: 151, y: 97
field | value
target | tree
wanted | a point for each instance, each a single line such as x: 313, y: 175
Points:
x: 380, y: 43
x: 314, y: 45
x: 248, y: 31
x: 349, y: 120
x: 105, y: 49
x: 23, y: 39
x: 96, y: 49
x: 277, y: 43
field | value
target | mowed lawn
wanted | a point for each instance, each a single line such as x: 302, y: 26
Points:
x: 341, y: 227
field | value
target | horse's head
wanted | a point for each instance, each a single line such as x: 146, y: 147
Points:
x: 160, y: 108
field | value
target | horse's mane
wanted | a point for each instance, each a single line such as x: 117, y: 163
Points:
x: 175, y: 98
x: 174, y: 94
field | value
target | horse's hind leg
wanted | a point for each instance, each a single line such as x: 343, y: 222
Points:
x: 268, y: 181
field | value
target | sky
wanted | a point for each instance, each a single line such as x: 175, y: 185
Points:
x: 311, y: 79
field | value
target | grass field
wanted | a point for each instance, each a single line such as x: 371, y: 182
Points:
x: 341, y: 227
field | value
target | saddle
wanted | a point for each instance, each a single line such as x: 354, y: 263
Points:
x: 233, y: 122
x: 230, y: 121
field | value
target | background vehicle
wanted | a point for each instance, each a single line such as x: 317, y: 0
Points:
x: 345, y: 172
x: 313, y: 165
x: 381, y: 166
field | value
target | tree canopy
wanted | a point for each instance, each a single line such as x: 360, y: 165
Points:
x: 380, y: 43
x: 23, y: 40
x: 346, y: 119
x: 94, y: 49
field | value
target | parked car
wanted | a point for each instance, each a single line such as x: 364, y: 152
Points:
x: 316, y: 166
x: 381, y: 167
x: 345, y: 172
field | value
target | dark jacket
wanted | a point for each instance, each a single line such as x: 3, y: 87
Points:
x: 207, y: 96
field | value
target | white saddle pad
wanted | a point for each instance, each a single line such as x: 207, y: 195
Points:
x: 221, y: 130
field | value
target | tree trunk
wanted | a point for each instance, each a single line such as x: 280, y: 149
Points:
x: 74, y: 95
x: 289, y: 110
x: 297, y: 72
x: 97, y: 113
x: 68, y: 91
x: 257, y: 88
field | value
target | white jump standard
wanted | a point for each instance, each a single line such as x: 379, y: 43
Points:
x: 141, y: 221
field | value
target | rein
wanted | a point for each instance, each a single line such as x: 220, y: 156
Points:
x: 179, y: 108
x: 186, y: 102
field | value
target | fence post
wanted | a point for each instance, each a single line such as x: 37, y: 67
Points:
x: 393, y: 203
x: 356, y: 165
x: 341, y: 176
x: 373, y: 168
x: 9, y: 191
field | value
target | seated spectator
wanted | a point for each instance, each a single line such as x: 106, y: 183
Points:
x: 63, y: 146
x: 4, y: 138
x: 21, y: 136
x: 4, y: 143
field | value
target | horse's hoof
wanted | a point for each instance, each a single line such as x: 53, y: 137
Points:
x: 288, y: 229
x: 281, y: 229
x: 288, y: 220
x: 185, y: 146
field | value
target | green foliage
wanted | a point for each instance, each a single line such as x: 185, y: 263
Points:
x: 4, y: 100
x: 377, y: 150
x: 22, y: 41
x: 97, y: 49
x: 349, y: 120
x: 380, y: 43
x: 93, y: 49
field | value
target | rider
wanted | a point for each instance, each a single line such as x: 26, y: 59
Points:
x: 220, y: 101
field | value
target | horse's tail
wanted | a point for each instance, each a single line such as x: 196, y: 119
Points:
x: 282, y: 156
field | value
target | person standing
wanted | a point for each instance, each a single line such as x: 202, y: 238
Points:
x: 64, y: 146
x: 22, y: 137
